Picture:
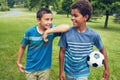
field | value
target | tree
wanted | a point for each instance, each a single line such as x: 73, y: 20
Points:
x: 66, y: 6
x: 33, y: 4
x: 40, y: 3
x: 116, y: 11
x: 11, y: 3
x: 104, y: 6
x: 26, y: 3
x: 4, y: 5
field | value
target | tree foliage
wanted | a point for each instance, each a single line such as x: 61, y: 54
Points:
x: 66, y: 6
x: 26, y: 3
x: 4, y: 5
x: 40, y: 3
x: 105, y: 7
x: 11, y: 3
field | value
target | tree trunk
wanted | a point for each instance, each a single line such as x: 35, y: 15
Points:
x: 47, y: 6
x: 67, y: 15
x: 106, y: 21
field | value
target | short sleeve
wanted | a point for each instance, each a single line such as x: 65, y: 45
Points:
x: 63, y: 42
x: 98, y: 42
x: 25, y: 38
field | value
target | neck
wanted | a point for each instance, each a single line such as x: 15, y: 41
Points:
x: 81, y: 28
x: 40, y: 29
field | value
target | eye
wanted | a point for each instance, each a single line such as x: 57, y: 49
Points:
x: 51, y: 19
x: 47, y: 19
x: 74, y: 15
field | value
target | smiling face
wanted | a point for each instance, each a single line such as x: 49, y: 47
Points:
x: 77, y: 18
x: 45, y: 21
x: 81, y: 12
x: 44, y: 18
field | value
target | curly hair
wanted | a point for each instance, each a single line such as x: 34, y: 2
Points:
x: 84, y: 7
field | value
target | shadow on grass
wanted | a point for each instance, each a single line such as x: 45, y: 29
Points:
x: 115, y: 29
x: 94, y: 21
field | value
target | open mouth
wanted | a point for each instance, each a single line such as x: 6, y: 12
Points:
x: 48, y: 26
x: 74, y: 22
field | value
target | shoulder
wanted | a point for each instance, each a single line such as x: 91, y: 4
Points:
x: 52, y: 26
x: 72, y: 29
x: 92, y: 32
x: 31, y: 29
x: 70, y: 32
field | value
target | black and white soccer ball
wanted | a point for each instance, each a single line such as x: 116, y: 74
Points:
x: 95, y: 59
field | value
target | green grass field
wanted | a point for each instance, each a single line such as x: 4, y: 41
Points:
x: 12, y: 29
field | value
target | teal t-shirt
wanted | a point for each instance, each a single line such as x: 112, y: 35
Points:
x: 39, y: 53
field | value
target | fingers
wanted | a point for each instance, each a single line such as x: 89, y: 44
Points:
x: 105, y: 77
x: 21, y: 68
x: 46, y: 40
x: 44, y: 37
x: 63, y: 78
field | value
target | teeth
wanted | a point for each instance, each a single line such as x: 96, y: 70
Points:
x: 74, y: 21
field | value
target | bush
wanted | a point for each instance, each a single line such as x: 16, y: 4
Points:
x: 117, y: 18
x: 19, y: 6
x: 60, y: 11
x: 4, y: 8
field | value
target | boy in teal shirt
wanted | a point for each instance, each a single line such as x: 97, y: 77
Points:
x: 39, y: 52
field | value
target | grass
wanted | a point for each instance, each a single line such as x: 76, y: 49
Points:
x: 13, y: 28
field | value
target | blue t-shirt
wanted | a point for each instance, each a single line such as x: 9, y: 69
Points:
x: 78, y: 46
x: 39, y: 53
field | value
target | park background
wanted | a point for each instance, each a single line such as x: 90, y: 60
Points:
x: 18, y: 15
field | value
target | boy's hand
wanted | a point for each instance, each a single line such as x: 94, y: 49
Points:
x: 20, y: 67
x: 62, y: 76
x: 45, y: 36
x: 106, y: 75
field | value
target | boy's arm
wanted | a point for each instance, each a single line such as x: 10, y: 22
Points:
x: 61, y: 63
x: 59, y: 28
x: 19, y: 58
x: 106, y: 71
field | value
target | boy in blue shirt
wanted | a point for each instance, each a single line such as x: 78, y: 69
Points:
x: 39, y: 52
x: 77, y: 43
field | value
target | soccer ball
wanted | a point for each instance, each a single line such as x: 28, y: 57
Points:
x: 95, y: 59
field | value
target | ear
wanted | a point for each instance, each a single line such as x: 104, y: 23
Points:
x: 38, y: 19
x: 86, y: 17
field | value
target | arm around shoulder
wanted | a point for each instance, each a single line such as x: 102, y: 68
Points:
x: 58, y: 29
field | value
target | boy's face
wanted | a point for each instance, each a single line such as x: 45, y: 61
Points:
x: 46, y: 21
x: 77, y: 18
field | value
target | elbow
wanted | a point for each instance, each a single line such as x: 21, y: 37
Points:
x: 65, y: 28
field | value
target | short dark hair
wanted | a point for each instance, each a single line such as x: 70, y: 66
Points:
x: 42, y: 11
x: 84, y: 7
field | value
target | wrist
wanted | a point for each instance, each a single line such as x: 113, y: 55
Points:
x: 46, y: 32
x: 18, y: 62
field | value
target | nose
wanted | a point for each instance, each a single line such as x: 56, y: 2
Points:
x: 72, y: 18
x: 50, y: 21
